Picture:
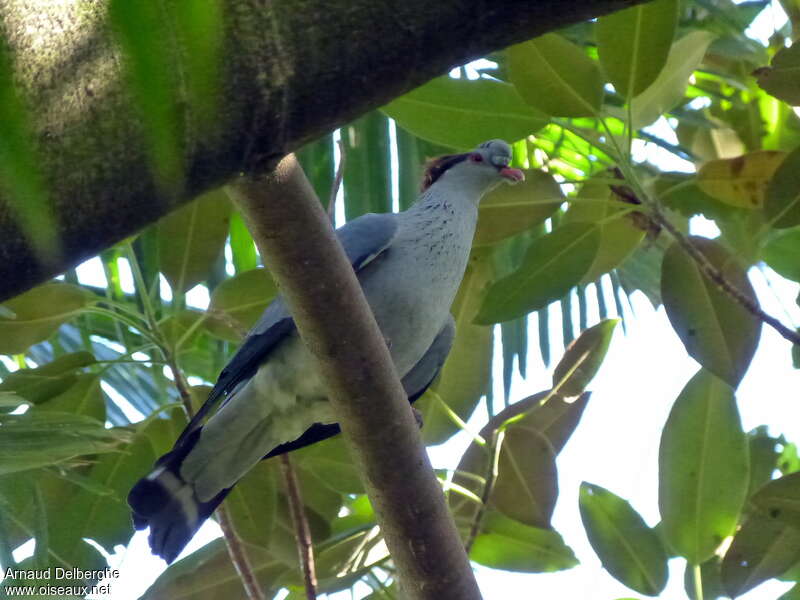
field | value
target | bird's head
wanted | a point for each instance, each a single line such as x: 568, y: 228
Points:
x: 485, y: 167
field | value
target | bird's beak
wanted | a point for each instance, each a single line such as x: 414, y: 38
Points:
x: 513, y: 175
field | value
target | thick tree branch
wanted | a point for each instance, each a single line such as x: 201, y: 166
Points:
x: 298, y: 245
x: 292, y: 71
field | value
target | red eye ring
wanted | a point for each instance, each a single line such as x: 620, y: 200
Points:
x: 476, y: 157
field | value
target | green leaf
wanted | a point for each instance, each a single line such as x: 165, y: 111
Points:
x: 619, y: 236
x: 512, y: 546
x: 633, y: 44
x: 252, y: 504
x: 740, y: 181
x: 84, y: 397
x: 466, y: 374
x: 764, y: 457
x: 237, y: 303
x: 781, y: 253
x: 710, y: 578
x: 782, y: 77
x: 780, y: 499
x: 669, y: 87
x: 629, y: 550
x: 48, y: 380
x: 716, y: 330
x: 209, y: 574
x: 792, y: 594
x: 782, y: 207
x: 556, y: 77
x: 243, y: 249
x: 552, y: 265
x: 39, y: 313
x: 317, y: 161
x: 762, y: 549
x: 583, y: 358
x: 141, y: 29
x: 191, y: 238
x: 461, y: 113
x: 331, y: 462
x: 41, y: 438
x: 511, y: 209
x: 703, y: 468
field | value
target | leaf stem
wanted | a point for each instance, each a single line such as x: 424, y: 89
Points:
x: 491, y: 476
x: 697, y: 576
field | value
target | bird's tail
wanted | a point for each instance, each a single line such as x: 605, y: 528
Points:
x: 168, y: 505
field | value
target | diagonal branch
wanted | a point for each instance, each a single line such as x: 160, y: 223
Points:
x: 291, y: 229
x: 302, y: 534
x: 293, y: 70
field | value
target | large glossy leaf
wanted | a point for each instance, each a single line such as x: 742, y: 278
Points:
x: 84, y: 397
x: 209, y: 574
x: 762, y: 549
x: 669, y: 87
x: 41, y: 438
x: 703, y: 468
x: 461, y: 113
x: 38, y: 313
x: 740, y: 181
x: 552, y: 265
x: 512, y: 546
x: 781, y: 253
x: 331, y: 462
x: 583, y: 358
x: 783, y: 193
x: 619, y: 236
x: 191, y: 238
x: 539, y: 431
x: 237, y: 303
x: 780, y: 78
x: 466, y: 375
x: 717, y: 331
x: 252, y: 504
x: 630, y: 550
x: 511, y: 209
x: 633, y: 44
x: 780, y: 499
x: 555, y: 76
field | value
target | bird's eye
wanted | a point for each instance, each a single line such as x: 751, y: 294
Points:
x: 476, y: 157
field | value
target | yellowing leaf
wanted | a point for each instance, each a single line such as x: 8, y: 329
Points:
x: 633, y: 44
x: 740, y: 181
x: 511, y: 209
x: 39, y: 313
x: 557, y: 77
x: 717, y: 331
x: 702, y: 468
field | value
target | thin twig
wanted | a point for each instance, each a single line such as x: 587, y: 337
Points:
x: 180, y: 383
x: 714, y: 274
x: 337, y: 182
x: 491, y: 477
x: 305, y: 547
x: 238, y: 556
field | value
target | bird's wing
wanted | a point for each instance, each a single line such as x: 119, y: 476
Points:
x: 363, y: 239
x: 416, y: 381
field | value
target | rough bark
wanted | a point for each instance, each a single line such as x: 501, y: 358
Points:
x: 333, y: 317
x: 293, y: 70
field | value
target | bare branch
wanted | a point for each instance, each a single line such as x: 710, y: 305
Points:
x: 333, y: 318
x: 302, y: 533
x: 238, y: 556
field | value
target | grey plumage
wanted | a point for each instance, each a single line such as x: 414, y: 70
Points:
x: 270, y: 397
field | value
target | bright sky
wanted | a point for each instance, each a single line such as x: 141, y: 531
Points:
x: 616, y: 443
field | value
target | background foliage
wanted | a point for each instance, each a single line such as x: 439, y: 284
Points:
x: 88, y: 401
